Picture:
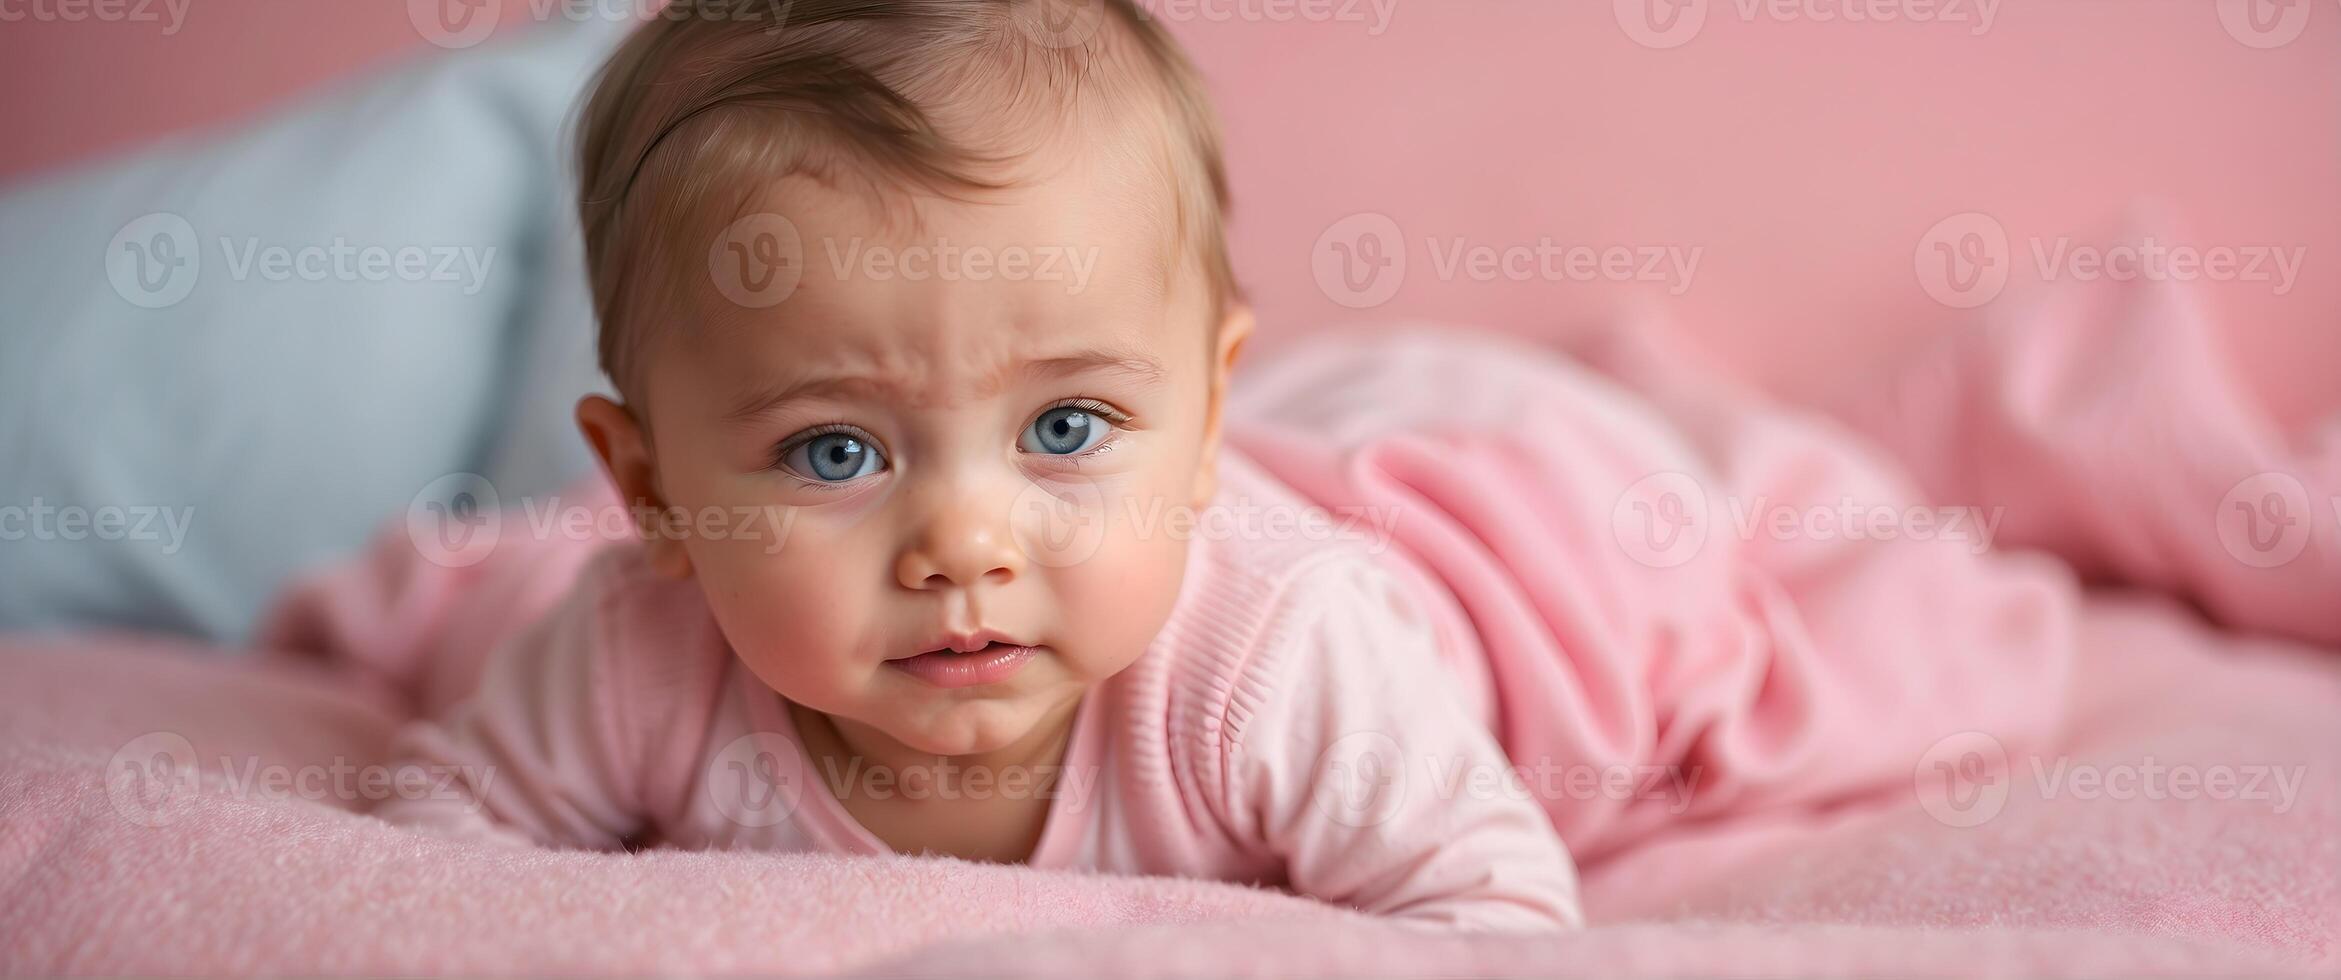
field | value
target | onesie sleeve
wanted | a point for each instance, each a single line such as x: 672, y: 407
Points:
x: 544, y: 752
x: 1350, y: 755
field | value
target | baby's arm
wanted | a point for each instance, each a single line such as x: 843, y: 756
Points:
x: 1361, y: 768
x: 538, y: 754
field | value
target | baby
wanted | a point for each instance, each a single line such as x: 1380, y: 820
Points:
x: 1047, y: 591
x: 981, y: 637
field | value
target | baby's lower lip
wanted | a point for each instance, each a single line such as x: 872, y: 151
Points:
x: 990, y: 665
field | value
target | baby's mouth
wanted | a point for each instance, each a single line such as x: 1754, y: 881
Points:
x: 991, y: 663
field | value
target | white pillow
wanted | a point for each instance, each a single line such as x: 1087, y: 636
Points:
x: 224, y: 360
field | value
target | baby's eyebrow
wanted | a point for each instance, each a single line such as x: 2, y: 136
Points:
x: 1133, y: 366
x: 1136, y: 367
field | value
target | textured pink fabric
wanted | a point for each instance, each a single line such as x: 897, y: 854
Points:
x: 2113, y: 424
x: 230, y: 882
x: 1720, y: 667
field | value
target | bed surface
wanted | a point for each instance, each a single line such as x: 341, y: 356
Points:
x: 215, y: 878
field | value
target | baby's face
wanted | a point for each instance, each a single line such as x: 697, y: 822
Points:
x: 964, y: 456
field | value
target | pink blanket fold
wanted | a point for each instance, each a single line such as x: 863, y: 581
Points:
x: 164, y: 811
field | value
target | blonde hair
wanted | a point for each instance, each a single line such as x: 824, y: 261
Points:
x: 713, y: 101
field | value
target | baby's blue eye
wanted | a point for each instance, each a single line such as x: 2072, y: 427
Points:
x: 1064, y: 431
x: 834, y: 457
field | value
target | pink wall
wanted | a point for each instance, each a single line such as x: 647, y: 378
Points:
x: 1806, y: 161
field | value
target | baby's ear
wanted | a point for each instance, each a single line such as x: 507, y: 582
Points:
x: 1234, y: 329
x: 617, y: 438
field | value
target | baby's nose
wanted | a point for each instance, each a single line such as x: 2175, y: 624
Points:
x: 960, y: 547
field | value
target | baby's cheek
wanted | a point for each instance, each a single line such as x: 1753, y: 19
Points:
x: 786, y: 612
x: 1114, y: 603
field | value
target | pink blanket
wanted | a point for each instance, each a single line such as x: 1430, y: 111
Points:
x: 2184, y: 821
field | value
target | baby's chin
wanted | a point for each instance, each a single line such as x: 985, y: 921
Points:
x: 973, y: 727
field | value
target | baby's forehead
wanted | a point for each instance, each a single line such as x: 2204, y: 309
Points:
x: 919, y: 354
x: 1044, y: 165
x: 933, y: 369
x: 1070, y: 263
x: 1103, y: 205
